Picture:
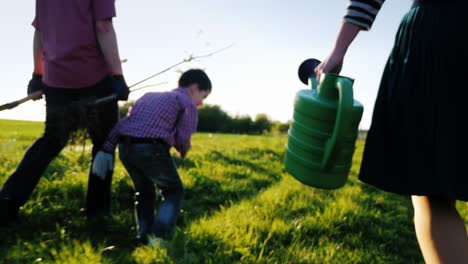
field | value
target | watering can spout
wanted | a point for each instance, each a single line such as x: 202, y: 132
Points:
x: 307, y: 74
x: 322, y: 135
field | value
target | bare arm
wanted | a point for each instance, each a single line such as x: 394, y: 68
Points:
x: 347, y: 34
x: 108, y: 42
x: 35, y: 85
x: 37, y: 52
x: 334, y: 61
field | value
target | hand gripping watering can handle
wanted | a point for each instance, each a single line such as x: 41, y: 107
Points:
x: 343, y: 119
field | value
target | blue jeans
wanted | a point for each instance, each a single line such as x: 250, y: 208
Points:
x: 150, y: 165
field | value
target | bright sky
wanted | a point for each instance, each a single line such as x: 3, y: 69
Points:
x: 257, y: 75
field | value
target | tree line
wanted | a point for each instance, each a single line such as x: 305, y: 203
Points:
x: 211, y: 118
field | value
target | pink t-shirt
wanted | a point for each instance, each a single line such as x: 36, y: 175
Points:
x: 72, y: 57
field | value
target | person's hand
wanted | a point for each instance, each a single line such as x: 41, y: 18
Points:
x: 103, y: 162
x: 180, y: 154
x: 332, y: 64
x: 35, y: 85
x: 129, y: 111
x: 120, y: 87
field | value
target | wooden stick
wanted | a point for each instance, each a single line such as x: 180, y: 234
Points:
x: 38, y: 94
x: 35, y: 95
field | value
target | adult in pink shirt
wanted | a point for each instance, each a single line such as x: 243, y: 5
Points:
x: 77, y: 43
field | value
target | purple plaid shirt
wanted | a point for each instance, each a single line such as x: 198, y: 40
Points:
x: 170, y: 116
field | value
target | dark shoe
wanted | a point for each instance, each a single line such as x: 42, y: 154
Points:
x: 9, y: 212
x: 103, y: 217
x: 106, y: 217
x: 100, y: 224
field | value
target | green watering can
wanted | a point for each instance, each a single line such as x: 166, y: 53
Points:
x: 322, y: 136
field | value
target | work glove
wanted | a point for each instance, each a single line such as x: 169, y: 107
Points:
x: 35, y: 84
x: 103, y: 162
x: 120, y: 87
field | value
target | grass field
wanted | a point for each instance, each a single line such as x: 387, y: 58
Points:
x: 240, y: 207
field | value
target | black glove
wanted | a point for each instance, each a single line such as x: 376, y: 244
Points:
x: 35, y: 84
x: 120, y: 87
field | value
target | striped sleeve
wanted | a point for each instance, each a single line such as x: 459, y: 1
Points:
x: 363, y: 12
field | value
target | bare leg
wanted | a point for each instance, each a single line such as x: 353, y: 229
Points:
x: 440, y: 230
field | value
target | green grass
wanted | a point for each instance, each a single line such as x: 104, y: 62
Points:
x: 240, y: 206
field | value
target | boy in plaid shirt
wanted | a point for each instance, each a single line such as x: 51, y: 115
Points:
x: 157, y: 122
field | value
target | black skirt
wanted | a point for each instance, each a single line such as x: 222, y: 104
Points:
x: 417, y: 142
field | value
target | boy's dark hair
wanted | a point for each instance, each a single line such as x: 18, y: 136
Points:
x: 195, y: 76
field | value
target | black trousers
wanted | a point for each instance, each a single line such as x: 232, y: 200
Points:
x: 67, y: 110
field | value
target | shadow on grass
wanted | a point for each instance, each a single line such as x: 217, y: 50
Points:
x: 206, y: 195
x: 253, y: 153
x: 52, y: 218
x: 382, y: 226
x: 184, y: 163
x: 216, y: 156
x: 52, y: 227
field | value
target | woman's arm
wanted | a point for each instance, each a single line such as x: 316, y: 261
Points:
x: 334, y: 61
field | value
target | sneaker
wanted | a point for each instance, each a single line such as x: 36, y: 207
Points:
x: 154, y: 241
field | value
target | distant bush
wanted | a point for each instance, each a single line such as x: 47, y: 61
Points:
x: 211, y: 118
x: 280, y: 128
x: 262, y: 124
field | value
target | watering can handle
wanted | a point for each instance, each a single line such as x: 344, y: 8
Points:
x: 343, y: 117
